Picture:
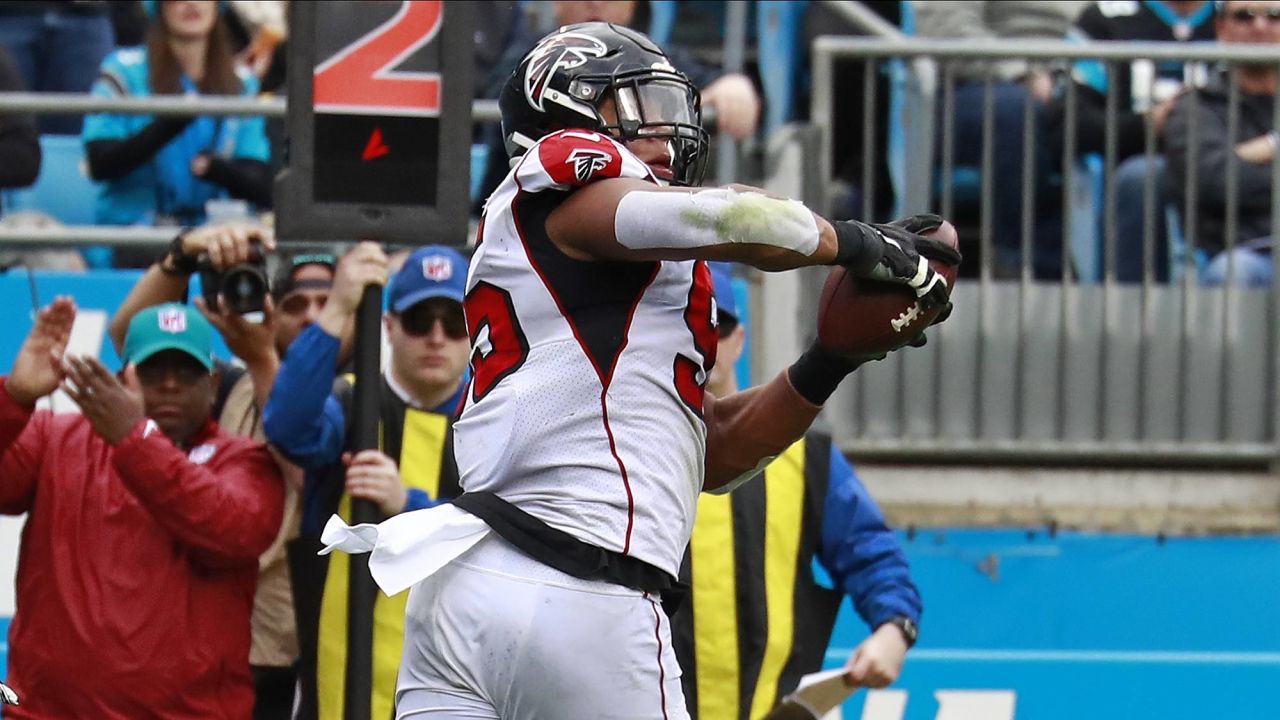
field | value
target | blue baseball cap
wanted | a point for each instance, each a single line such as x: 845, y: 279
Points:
x: 169, y: 327
x: 432, y: 271
x: 722, y: 280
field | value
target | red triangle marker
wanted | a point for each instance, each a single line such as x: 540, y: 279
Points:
x: 375, y: 147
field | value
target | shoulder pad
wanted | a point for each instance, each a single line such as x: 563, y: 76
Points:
x: 575, y: 158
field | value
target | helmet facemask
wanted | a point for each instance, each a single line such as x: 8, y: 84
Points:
x: 651, y: 103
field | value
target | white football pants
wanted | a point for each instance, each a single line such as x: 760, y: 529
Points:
x: 495, y: 634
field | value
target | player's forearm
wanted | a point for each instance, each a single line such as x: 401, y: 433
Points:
x: 752, y: 426
x: 736, y: 223
x: 641, y: 222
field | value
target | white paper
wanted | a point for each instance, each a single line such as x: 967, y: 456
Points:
x: 410, y: 547
x: 822, y: 692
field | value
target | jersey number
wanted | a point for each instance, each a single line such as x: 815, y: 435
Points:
x: 498, y: 344
x: 360, y: 78
x: 699, y: 315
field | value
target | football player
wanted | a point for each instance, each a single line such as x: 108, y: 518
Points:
x: 585, y: 435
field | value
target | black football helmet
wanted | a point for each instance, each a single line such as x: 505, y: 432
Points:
x: 564, y: 80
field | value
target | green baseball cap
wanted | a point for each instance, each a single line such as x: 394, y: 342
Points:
x: 169, y: 327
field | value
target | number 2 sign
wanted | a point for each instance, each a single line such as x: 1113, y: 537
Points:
x: 363, y: 78
x: 379, y: 122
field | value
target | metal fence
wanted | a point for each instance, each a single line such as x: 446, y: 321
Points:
x: 1077, y: 368
x: 1066, y: 366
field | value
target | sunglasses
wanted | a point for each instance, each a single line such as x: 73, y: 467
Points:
x: 418, y: 320
x: 297, y: 304
x: 156, y: 373
x: 1248, y: 15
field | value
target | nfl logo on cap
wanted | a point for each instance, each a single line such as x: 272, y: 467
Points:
x: 172, y: 320
x: 437, y: 268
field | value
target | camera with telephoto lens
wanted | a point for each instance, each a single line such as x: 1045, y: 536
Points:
x: 243, y: 287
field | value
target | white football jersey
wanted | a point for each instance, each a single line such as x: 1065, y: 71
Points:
x: 585, y: 403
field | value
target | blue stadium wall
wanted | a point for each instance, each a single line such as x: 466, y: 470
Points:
x: 1064, y: 627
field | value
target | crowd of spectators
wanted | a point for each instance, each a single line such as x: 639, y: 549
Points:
x: 175, y: 171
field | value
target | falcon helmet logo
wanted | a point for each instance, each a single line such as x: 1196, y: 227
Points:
x: 562, y: 51
x: 172, y: 321
x: 437, y: 268
x: 587, y: 162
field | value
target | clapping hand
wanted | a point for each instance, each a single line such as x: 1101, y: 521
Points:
x: 111, y: 407
x: 37, y: 370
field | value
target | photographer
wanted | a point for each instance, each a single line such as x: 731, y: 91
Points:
x: 300, y: 290
x: 137, y: 565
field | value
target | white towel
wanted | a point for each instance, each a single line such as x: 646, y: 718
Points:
x: 409, y: 547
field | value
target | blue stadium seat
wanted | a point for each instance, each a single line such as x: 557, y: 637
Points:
x: 1087, y: 202
x: 479, y: 161
x: 778, y: 25
x: 63, y: 189
x: 1178, y: 247
x: 662, y: 19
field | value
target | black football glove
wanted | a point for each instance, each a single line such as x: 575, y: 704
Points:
x: 897, y: 252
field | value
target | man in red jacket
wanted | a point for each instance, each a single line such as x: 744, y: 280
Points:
x: 145, y: 521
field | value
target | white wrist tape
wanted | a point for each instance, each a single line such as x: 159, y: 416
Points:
x: 650, y: 220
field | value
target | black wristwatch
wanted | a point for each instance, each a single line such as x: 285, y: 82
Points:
x: 910, y: 631
x: 179, y: 264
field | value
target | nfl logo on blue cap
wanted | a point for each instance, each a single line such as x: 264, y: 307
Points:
x: 431, y: 271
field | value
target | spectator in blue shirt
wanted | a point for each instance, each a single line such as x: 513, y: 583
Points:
x: 757, y: 567
x: 164, y: 170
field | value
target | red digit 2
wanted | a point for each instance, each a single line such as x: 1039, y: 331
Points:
x: 499, y: 345
x: 698, y: 317
x: 361, y: 78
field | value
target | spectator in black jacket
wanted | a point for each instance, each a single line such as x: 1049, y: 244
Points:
x: 1254, y: 147
x: 1145, y: 91
x: 19, y: 142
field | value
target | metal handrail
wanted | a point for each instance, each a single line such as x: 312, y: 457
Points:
x: 1045, y: 49
x: 826, y: 49
x: 77, y: 235
x: 174, y: 105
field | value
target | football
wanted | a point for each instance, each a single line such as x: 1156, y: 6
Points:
x: 866, y: 317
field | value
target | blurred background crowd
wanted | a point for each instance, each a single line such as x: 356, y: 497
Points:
x: 180, y: 171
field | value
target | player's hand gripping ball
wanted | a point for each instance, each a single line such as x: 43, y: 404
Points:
x: 861, y: 317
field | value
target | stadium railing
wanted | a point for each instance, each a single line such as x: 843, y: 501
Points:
x: 1079, y: 369
x: 77, y: 235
